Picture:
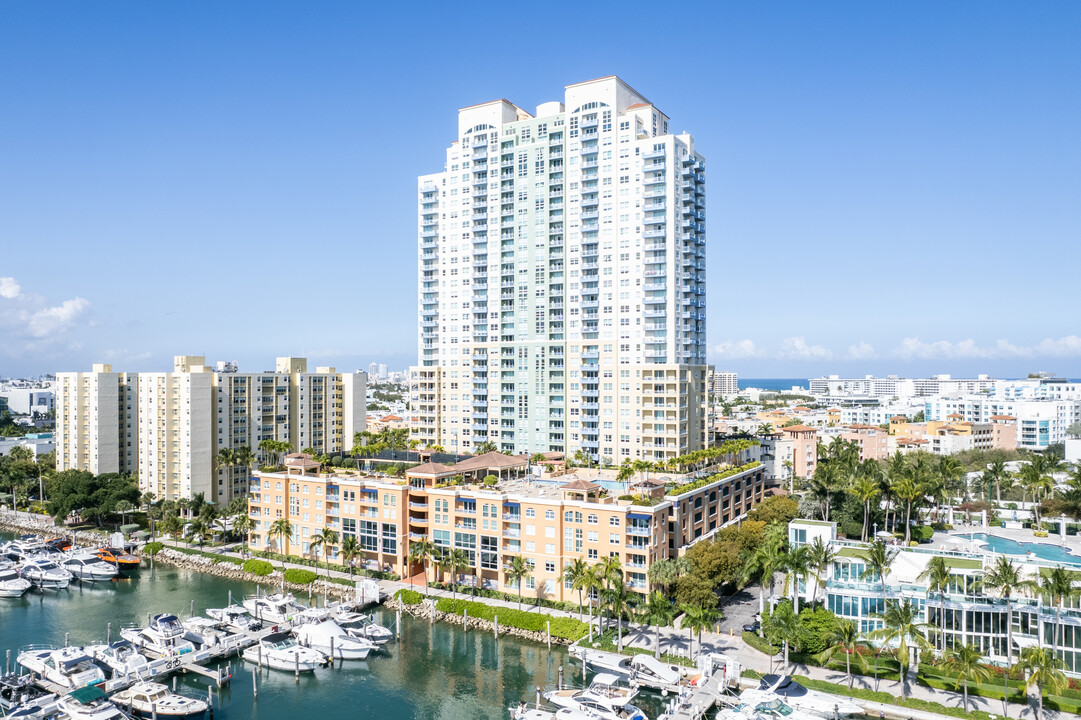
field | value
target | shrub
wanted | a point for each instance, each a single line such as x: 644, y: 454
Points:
x: 300, y: 576
x: 153, y: 548
x: 922, y: 533
x: 1039, y: 533
x: 258, y: 567
x: 408, y: 597
x: 562, y: 627
x: 490, y: 480
x: 851, y: 529
x: 625, y: 497
x: 714, y: 478
x: 759, y: 643
x: 349, y: 463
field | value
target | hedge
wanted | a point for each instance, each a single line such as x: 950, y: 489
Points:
x: 714, y: 478
x: 213, y: 556
x: 408, y: 597
x: 153, y: 548
x: 759, y: 643
x: 562, y: 627
x: 258, y: 567
x: 299, y: 576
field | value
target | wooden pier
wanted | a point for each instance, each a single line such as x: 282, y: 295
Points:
x: 694, y: 702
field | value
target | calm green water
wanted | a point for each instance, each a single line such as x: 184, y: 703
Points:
x: 436, y: 671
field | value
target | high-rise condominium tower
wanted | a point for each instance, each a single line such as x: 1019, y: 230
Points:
x: 562, y: 292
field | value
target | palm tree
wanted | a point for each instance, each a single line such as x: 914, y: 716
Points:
x: 421, y: 551
x: 197, y: 529
x: 820, y: 558
x: 283, y: 530
x: 658, y: 611
x: 610, y: 569
x: 865, y: 489
x: 350, y: 551
x: 620, y: 599
x: 665, y: 572
x: 845, y: 637
x: 937, y: 575
x: 767, y: 560
x: 764, y: 429
x: 999, y: 472
x: 123, y: 507
x: 172, y: 525
x: 485, y: 447
x: 592, y: 582
x: 325, y: 539
x: 901, y: 626
x: 455, y: 562
x: 242, y: 525
x: 1058, y: 586
x: 516, y: 571
x: 225, y: 458
x: 952, y: 471
x: 965, y: 660
x: 908, y: 488
x: 574, y: 573
x: 1005, y: 577
x: 796, y: 562
x: 697, y: 618
x: 1043, y: 669
x: 879, y: 561
x: 786, y: 625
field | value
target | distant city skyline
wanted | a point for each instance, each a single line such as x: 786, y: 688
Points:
x: 892, y: 188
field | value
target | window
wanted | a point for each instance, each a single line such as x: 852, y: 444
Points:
x: 613, y: 521
x: 549, y: 514
x: 592, y: 519
x: 530, y: 512
x: 549, y: 567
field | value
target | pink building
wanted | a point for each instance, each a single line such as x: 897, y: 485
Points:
x: 872, y: 440
x: 804, y: 449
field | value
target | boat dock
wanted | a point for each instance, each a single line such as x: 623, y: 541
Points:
x: 694, y: 702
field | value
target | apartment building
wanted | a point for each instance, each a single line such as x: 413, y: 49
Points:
x: 548, y: 522
x: 893, y: 386
x: 168, y: 427
x: 723, y: 384
x: 1040, y: 423
x: 561, y: 269
x: 804, y: 449
x: 969, y: 613
x: 96, y: 420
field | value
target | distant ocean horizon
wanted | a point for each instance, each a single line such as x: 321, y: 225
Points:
x: 772, y: 383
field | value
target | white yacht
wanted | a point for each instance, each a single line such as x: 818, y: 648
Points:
x: 369, y: 630
x: 817, y: 703
x: 88, y: 568
x: 68, y: 667
x: 276, y: 608
x: 766, y: 705
x: 17, y: 690
x: 11, y: 583
x: 45, y: 574
x: 524, y: 712
x: 204, y: 632
x: 88, y: 703
x: 163, y: 636
x: 280, y: 651
x: 235, y: 617
x: 122, y: 659
x: 331, y: 640
x: 24, y: 548
x: 605, y: 698
x: 154, y: 700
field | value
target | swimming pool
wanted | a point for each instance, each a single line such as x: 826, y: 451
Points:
x: 1054, y: 553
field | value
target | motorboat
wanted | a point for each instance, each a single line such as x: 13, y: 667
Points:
x: 235, y: 617
x: 154, y: 700
x: 42, y: 708
x: 370, y: 630
x: 605, y: 698
x: 17, y: 690
x: 61, y: 543
x: 68, y: 667
x: 122, y: 659
x: 22, y: 549
x: 770, y: 706
x: 276, y: 608
x: 524, y: 712
x: 88, y: 568
x: 641, y: 669
x: 204, y: 632
x: 163, y: 636
x: 45, y: 574
x: 12, y: 584
x: 280, y: 651
x: 122, y: 560
x: 817, y: 703
x: 88, y: 703
x: 311, y: 615
x: 330, y: 639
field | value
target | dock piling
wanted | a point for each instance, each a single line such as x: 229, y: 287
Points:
x: 398, y: 624
x: 496, y: 620
x: 296, y: 666
x: 7, y: 663
x: 65, y: 639
x: 332, y: 651
x: 559, y: 682
x: 108, y: 633
x: 254, y: 686
x: 465, y: 620
x: 230, y: 599
x: 548, y: 631
x: 191, y: 612
x: 174, y: 683
x: 154, y: 711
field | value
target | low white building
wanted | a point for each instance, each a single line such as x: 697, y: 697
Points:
x: 38, y: 443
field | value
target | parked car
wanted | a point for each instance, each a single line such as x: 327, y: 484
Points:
x: 753, y: 627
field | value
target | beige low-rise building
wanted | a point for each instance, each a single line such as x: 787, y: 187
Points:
x: 549, y: 523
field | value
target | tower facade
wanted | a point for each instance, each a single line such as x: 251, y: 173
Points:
x: 562, y: 282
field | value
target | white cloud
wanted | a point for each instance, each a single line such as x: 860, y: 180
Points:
x: 1066, y: 346
x: 797, y: 347
x: 9, y: 288
x: 125, y: 355
x: 737, y: 349
x: 861, y: 351
x: 32, y: 324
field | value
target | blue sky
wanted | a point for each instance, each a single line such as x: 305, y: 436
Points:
x: 892, y: 187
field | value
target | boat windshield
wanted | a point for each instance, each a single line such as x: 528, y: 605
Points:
x: 284, y: 644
